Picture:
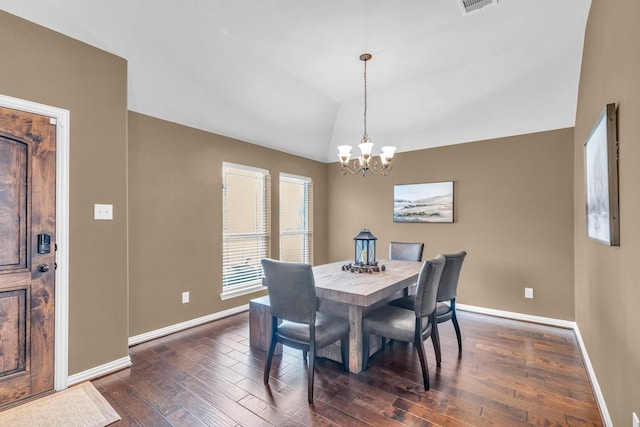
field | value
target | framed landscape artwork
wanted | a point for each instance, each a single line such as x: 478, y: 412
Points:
x: 601, y: 179
x: 429, y: 202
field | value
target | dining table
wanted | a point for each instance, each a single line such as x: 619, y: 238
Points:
x: 352, y: 294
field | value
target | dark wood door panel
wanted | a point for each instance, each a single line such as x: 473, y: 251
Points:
x: 13, y: 331
x: 13, y: 204
x: 17, y: 124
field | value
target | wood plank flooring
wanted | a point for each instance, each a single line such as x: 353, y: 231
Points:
x: 510, y: 374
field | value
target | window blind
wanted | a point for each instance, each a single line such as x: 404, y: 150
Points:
x: 296, y: 218
x: 246, y: 224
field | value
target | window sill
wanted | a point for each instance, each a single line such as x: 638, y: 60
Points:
x: 242, y: 290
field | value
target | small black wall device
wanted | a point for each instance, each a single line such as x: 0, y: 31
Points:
x: 44, y: 243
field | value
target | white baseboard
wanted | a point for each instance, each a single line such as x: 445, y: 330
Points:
x: 604, y: 412
x: 99, y: 371
x: 550, y: 321
x: 125, y: 362
x: 137, y: 339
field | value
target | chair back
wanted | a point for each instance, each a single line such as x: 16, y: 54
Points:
x: 292, y: 290
x: 449, y: 281
x: 428, y: 280
x: 406, y: 251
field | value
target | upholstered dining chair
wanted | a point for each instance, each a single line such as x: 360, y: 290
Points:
x: 406, y: 251
x: 292, y: 295
x: 410, y: 326
x: 447, y: 291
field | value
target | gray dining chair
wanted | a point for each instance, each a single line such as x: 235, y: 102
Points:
x: 406, y: 251
x: 410, y: 326
x: 447, y: 291
x: 292, y: 295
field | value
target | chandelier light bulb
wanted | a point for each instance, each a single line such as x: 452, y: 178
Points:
x: 366, y: 148
x: 344, y: 153
x: 387, y: 154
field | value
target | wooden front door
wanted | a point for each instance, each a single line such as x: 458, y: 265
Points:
x: 27, y: 264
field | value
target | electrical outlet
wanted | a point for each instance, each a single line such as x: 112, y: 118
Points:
x: 528, y: 293
x: 636, y: 422
x: 185, y: 297
x: 103, y: 212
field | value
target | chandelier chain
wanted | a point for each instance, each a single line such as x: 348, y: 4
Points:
x: 365, y: 136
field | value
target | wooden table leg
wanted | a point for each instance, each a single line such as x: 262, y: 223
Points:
x: 355, y: 339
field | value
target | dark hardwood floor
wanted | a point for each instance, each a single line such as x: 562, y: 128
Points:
x: 510, y: 374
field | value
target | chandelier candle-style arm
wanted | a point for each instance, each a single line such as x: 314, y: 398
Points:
x: 372, y: 164
x: 365, y: 162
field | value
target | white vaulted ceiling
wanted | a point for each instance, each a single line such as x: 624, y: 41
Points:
x: 285, y: 73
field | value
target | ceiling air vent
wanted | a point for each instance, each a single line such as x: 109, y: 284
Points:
x: 467, y: 6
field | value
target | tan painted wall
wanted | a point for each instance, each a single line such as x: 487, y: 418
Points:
x: 175, y: 200
x: 513, y: 215
x: 608, y: 278
x: 42, y: 66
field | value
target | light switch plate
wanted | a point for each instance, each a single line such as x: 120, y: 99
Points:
x: 102, y: 212
x: 528, y: 292
x: 185, y: 297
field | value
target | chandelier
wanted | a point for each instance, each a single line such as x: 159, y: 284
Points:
x: 365, y: 162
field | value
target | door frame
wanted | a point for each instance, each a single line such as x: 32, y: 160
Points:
x: 62, y: 118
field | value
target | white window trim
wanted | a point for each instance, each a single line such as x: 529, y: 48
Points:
x: 284, y: 175
x: 245, y: 167
x: 235, y: 291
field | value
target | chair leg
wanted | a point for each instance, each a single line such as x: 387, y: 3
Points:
x: 423, y: 361
x: 304, y: 355
x: 344, y: 353
x: 454, y: 319
x: 365, y: 351
x: 435, y: 339
x: 312, y: 360
x: 272, y: 349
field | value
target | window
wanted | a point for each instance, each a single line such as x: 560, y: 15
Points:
x: 246, y: 227
x: 296, y: 218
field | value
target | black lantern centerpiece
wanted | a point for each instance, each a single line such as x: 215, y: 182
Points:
x: 365, y: 249
x: 365, y: 254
